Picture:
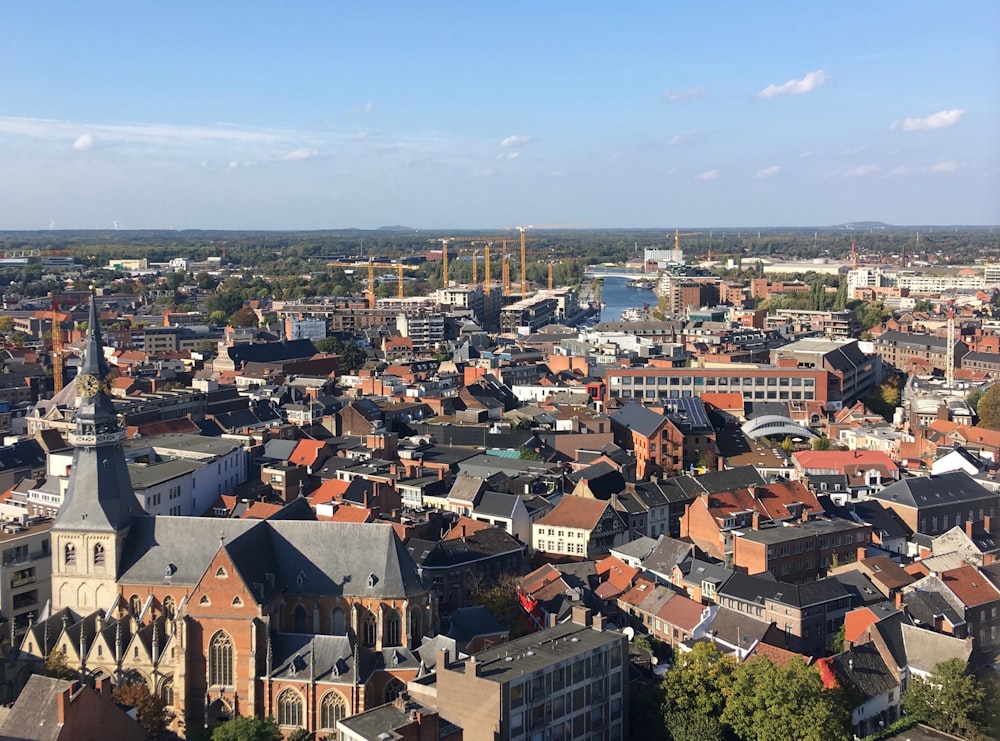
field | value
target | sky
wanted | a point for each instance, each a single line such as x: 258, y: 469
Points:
x: 437, y: 115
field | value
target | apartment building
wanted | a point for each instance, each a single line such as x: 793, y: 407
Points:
x: 756, y: 383
x: 26, y: 571
x: 564, y: 682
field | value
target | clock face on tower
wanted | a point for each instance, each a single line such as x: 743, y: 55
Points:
x: 88, y: 385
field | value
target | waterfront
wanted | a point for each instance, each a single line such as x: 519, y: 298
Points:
x: 617, y: 297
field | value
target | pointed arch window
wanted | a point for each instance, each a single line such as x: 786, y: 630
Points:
x: 393, y: 629
x: 220, y: 660
x: 338, y: 623
x: 332, y: 708
x: 369, y: 628
x: 99, y: 555
x: 167, y: 692
x: 289, y: 708
x: 169, y: 607
x: 69, y: 554
x: 299, y: 619
x: 393, y: 689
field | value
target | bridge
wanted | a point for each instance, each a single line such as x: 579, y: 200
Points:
x: 617, y: 272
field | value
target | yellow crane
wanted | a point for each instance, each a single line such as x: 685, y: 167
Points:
x: 677, y: 243
x: 372, y: 266
x: 505, y: 270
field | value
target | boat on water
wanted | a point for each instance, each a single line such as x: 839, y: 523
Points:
x: 635, y: 315
x: 645, y: 284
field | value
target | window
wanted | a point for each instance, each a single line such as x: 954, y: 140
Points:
x: 338, y: 622
x: 393, y: 629
x: 393, y: 689
x: 220, y: 660
x: 169, y: 608
x: 369, y: 629
x: 333, y: 707
x: 69, y: 554
x: 99, y: 555
x: 289, y: 708
x: 167, y: 692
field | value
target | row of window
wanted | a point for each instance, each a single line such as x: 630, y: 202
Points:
x: 711, y: 381
x: 617, y: 393
x: 958, y: 520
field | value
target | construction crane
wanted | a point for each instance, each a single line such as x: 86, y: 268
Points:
x: 949, y: 371
x: 372, y: 266
x: 486, y: 267
x: 677, y: 243
x: 505, y: 270
x: 58, y: 379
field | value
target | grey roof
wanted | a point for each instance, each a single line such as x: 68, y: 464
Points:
x: 539, y: 650
x: 639, y: 548
x: 912, y: 340
x: 496, y: 504
x: 467, y: 623
x: 300, y: 656
x: 760, y: 587
x: 860, y: 587
x: 145, y: 475
x: 638, y: 418
x: 925, y: 649
x: 350, y: 559
x: 925, y: 606
x: 862, y: 667
x: 34, y: 716
x: 271, y: 352
x: 954, y: 487
x: 696, y: 571
x: 716, y: 482
x: 279, y: 450
x: 666, y: 554
x: 383, y: 722
x: 467, y: 488
x: 738, y: 628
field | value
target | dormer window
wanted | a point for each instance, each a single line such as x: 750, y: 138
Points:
x: 372, y: 580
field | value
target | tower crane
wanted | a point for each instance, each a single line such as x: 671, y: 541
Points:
x: 677, y: 243
x: 58, y: 379
x: 505, y: 270
x: 372, y: 266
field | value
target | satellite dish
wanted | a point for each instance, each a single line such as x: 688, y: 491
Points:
x: 629, y: 633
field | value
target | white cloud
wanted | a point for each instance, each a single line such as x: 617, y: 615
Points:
x: 898, y: 171
x: 676, y: 96
x: 768, y: 172
x: 508, y: 155
x: 303, y: 153
x: 707, y: 175
x: 83, y: 143
x: 946, y: 166
x: 812, y: 81
x: 860, y: 172
x: 515, y: 140
x: 939, y: 120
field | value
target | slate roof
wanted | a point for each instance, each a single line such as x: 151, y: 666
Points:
x: 666, y: 554
x: 737, y: 628
x: 695, y: 571
x: 638, y: 418
x: 271, y: 352
x: 884, y: 520
x: 925, y: 606
x: 467, y: 488
x: 34, y: 717
x: 602, y: 478
x: 467, y: 623
x: 300, y: 656
x: 761, y: 587
x: 496, y: 504
x: 332, y: 557
x: 929, y: 491
x: 862, y: 667
x: 487, y: 542
x: 716, y: 482
x: 860, y: 587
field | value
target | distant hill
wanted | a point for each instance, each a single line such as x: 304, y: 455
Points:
x: 864, y: 225
x: 396, y: 229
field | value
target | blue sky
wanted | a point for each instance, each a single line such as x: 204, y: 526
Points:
x: 479, y: 115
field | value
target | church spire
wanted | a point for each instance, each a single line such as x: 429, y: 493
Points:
x: 99, y: 496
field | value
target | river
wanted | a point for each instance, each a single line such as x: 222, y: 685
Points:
x: 617, y: 297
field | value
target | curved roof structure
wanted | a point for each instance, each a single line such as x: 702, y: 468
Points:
x: 770, y: 425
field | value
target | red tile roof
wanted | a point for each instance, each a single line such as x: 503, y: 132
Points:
x: 844, y: 461
x: 331, y: 490
x: 970, y: 586
x: 682, y: 612
x: 305, y: 452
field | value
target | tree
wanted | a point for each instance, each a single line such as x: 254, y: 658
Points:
x: 244, y: 317
x: 788, y: 446
x: 56, y: 665
x: 781, y: 703
x: 527, y: 454
x: 694, y: 694
x: 6, y: 323
x: 950, y: 699
x: 821, y: 443
x: 500, y: 599
x: 988, y: 408
x: 150, y: 711
x: 972, y: 399
x: 247, y: 729
x: 301, y: 735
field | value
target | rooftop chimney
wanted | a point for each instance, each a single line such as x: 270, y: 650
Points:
x: 598, y: 622
x: 581, y: 615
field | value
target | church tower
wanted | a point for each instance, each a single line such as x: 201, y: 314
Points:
x: 89, y: 532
